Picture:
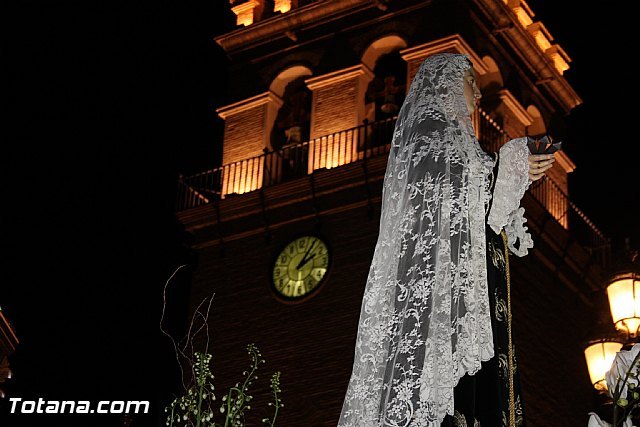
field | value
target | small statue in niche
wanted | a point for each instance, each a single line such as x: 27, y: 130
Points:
x: 385, y: 94
x: 390, y: 105
x: 296, y: 119
x: 290, y: 131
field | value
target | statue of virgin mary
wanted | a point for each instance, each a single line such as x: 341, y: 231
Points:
x: 434, y: 345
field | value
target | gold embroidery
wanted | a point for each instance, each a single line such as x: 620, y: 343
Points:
x: 497, y: 257
x: 500, y: 309
x: 519, y: 414
x: 512, y: 412
x: 503, y: 366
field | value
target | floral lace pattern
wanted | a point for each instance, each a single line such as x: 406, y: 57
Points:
x: 425, y: 319
x: 511, y: 183
x: 517, y: 233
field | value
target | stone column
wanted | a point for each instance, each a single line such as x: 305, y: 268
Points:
x: 246, y: 134
x: 337, y: 108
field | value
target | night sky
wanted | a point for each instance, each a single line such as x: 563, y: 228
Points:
x: 109, y: 101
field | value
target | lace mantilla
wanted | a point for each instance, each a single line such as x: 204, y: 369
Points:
x: 511, y: 183
x: 425, y: 319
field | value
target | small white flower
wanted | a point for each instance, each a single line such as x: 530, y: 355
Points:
x: 595, y: 421
x: 619, y: 368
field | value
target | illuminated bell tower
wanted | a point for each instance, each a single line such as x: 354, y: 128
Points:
x: 285, y: 228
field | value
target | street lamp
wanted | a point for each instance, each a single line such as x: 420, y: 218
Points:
x: 624, y: 300
x: 600, y: 354
x: 623, y: 292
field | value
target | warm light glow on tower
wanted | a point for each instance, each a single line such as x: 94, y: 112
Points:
x: 523, y: 16
x: 282, y: 6
x: 540, y: 34
x: 333, y: 150
x: 559, y: 57
x: 542, y: 41
x: 244, y: 12
x: 242, y: 177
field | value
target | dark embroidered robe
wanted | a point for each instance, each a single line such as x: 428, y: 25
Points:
x: 485, y: 399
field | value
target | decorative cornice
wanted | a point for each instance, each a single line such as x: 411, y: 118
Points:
x: 244, y: 12
x: 559, y: 57
x: 454, y: 43
x: 540, y: 34
x: 282, y: 6
x: 504, y: 18
x: 248, y: 104
x: 515, y: 108
x: 523, y: 12
x: 334, y: 77
x: 564, y: 161
x: 278, y: 26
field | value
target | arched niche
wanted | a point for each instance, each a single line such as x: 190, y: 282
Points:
x: 384, y: 89
x: 289, y: 118
x: 537, y: 127
x: 380, y: 47
x: 385, y: 93
x: 283, y: 78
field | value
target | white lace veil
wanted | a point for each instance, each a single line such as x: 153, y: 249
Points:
x: 425, y: 318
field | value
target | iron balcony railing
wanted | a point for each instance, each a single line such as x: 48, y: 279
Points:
x: 356, y: 144
x: 287, y: 163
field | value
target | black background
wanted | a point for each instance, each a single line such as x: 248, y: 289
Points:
x: 109, y: 101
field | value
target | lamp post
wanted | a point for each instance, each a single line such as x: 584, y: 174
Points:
x: 623, y: 292
x: 624, y: 300
x: 600, y: 354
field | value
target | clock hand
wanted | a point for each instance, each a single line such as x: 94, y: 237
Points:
x: 305, y: 254
x: 310, y: 248
x: 305, y: 262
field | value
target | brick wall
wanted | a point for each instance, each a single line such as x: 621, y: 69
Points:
x: 312, y: 343
x: 244, y: 134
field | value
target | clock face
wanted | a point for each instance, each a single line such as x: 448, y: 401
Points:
x: 300, y: 267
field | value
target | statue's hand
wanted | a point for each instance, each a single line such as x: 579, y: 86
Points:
x: 539, y: 164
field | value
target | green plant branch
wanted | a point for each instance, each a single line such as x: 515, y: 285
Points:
x: 275, y: 387
x: 194, y: 407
